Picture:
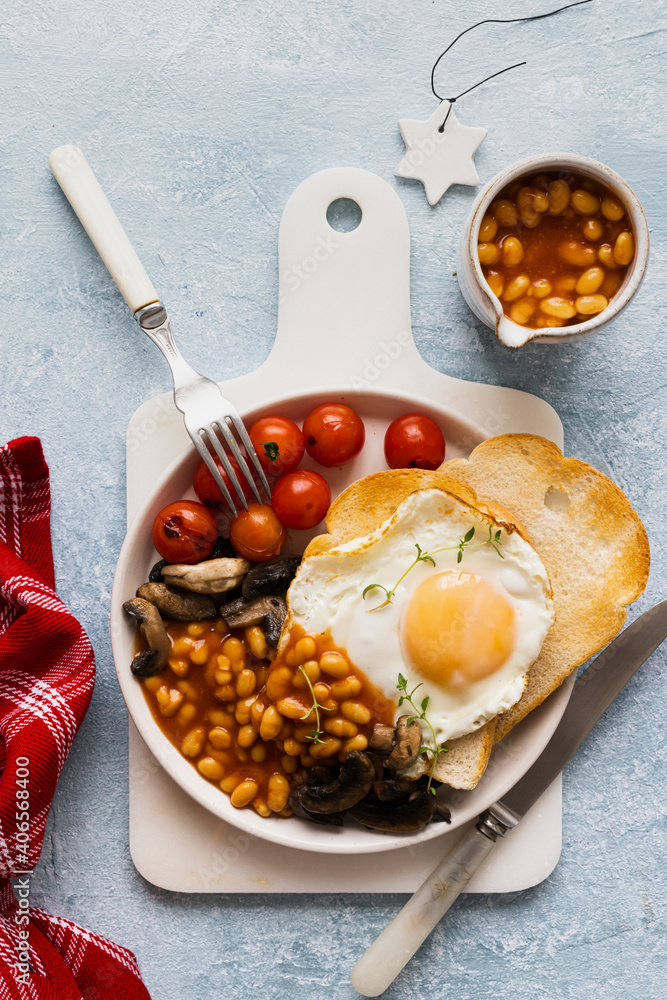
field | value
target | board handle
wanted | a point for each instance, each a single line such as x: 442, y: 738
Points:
x: 344, y: 297
x: 82, y: 190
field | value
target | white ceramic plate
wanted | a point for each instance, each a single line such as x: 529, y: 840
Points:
x: 510, y: 758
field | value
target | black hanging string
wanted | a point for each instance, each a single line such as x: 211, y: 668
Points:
x: 489, y: 20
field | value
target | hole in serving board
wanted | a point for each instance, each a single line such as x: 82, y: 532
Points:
x: 344, y: 215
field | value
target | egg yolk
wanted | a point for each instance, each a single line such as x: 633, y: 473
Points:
x: 457, y: 629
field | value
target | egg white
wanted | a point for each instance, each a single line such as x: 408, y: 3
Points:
x: 326, y: 595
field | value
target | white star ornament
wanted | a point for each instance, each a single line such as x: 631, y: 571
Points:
x: 439, y: 159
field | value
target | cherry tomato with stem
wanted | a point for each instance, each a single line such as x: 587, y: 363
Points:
x: 208, y: 490
x: 301, y: 499
x: 184, y: 532
x: 279, y: 444
x: 414, y: 441
x: 257, y: 534
x: 334, y: 434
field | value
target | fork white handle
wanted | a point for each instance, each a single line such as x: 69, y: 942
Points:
x: 203, y: 406
x: 82, y: 190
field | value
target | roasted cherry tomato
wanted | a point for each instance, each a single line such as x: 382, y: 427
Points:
x: 184, y: 532
x: 208, y: 490
x: 301, y: 499
x: 414, y: 442
x: 257, y: 534
x: 279, y: 444
x: 334, y: 434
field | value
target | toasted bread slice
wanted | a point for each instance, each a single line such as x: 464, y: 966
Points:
x: 357, y: 512
x: 591, y: 541
x: 364, y: 505
x: 466, y: 760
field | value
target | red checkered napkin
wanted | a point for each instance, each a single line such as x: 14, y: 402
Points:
x: 47, y: 673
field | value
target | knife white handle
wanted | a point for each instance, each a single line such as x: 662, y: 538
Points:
x: 72, y: 171
x: 378, y: 967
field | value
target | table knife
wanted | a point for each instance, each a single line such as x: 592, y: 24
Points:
x: 594, y: 691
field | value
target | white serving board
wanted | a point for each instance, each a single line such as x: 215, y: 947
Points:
x: 343, y: 322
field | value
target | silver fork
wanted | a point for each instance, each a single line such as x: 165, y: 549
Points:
x: 207, y: 414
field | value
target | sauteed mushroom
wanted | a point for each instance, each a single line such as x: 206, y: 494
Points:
x: 273, y: 625
x: 377, y: 764
x: 323, y: 819
x: 270, y: 578
x: 396, y: 817
x: 183, y: 605
x: 353, y: 782
x: 408, y: 742
x: 316, y: 776
x: 382, y: 738
x: 223, y: 549
x: 213, y: 576
x: 154, y: 658
x: 442, y: 813
x: 269, y: 611
x: 393, y: 789
x: 241, y: 613
x: 155, y: 575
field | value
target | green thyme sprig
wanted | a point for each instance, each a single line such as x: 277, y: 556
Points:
x: 420, y: 716
x: 421, y: 557
x: 465, y: 543
x: 316, y: 733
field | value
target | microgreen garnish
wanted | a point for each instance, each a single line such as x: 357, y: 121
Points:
x: 420, y: 716
x: 421, y: 557
x: 315, y: 734
x: 271, y: 450
x: 466, y: 543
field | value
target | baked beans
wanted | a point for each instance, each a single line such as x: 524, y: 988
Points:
x: 247, y: 724
x: 554, y: 249
x: 350, y: 704
x: 210, y: 701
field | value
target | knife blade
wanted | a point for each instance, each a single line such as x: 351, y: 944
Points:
x: 593, y: 692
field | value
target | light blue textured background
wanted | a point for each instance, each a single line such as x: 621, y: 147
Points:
x: 200, y: 119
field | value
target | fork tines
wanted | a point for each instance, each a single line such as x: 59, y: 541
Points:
x: 212, y: 434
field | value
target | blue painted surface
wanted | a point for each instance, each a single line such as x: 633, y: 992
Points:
x: 199, y: 121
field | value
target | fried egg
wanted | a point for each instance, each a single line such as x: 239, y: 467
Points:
x: 465, y: 623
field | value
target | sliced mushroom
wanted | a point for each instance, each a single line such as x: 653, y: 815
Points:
x: 408, y: 742
x: 154, y: 658
x: 377, y: 764
x: 354, y: 781
x: 273, y: 625
x: 228, y: 609
x: 316, y: 776
x: 321, y: 774
x: 229, y: 595
x: 382, y: 738
x: 442, y: 813
x: 183, y: 605
x: 241, y: 613
x: 396, y: 817
x: 213, y: 576
x: 323, y: 819
x: 155, y: 575
x: 223, y: 549
x: 267, y: 611
x: 393, y: 789
x: 270, y: 578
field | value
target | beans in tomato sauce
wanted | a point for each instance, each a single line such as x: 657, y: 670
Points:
x: 252, y: 723
x: 554, y: 249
